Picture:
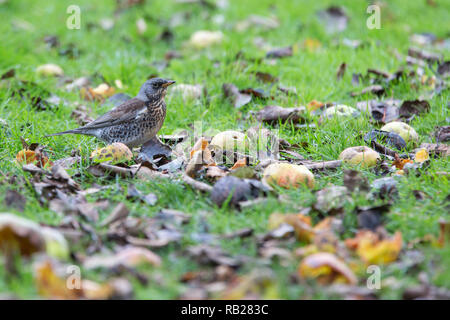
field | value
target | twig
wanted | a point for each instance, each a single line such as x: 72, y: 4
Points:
x: 324, y: 165
x: 124, y: 172
x: 382, y: 149
x: 201, y: 186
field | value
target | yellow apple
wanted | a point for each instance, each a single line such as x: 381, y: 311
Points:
x: 361, y: 155
x: 288, y: 175
x: 231, y: 141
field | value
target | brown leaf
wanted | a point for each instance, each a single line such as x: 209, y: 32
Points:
x: 442, y: 134
x: 232, y: 92
x: 424, y: 55
x: 20, y: 235
x: 273, y: 114
x: 120, y: 212
x: 354, y: 181
x: 129, y: 257
x: 266, y: 77
x: 154, y: 151
x: 371, y: 217
x: 341, y: 71
x: 331, y: 200
x: 334, y: 19
x: 381, y: 111
x: 326, y: 268
x: 206, y: 254
x: 14, y: 199
x: 234, y: 190
x: 444, y: 69
x: 8, y: 74
x: 411, y: 108
x: 280, y: 52
x: 375, y: 89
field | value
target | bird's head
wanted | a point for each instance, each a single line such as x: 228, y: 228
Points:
x: 154, y: 89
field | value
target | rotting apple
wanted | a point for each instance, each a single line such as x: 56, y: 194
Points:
x: 231, y: 140
x: 403, y: 130
x: 288, y: 175
x: 360, y: 155
x: 339, y: 111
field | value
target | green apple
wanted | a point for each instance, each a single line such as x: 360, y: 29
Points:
x: 339, y: 111
x: 361, y: 155
x: 403, y: 130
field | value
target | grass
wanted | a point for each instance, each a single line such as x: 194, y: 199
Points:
x: 121, y: 53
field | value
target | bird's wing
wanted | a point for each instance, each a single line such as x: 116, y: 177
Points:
x: 125, y: 112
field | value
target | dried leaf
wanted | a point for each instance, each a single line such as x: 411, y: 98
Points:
x: 326, y: 268
x: 280, y: 52
x: 232, y: 92
x: 374, y: 250
x: 129, y: 257
x: 341, y: 71
x: 421, y: 155
x: 334, y: 19
x: 273, y: 114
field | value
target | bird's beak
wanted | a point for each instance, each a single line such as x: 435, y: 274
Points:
x: 168, y: 83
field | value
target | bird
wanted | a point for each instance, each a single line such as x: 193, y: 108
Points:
x: 135, y: 121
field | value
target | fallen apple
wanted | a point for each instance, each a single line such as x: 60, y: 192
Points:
x: 361, y: 155
x: 339, y: 111
x: 288, y: 175
x: 231, y: 141
x: 49, y: 70
x: 403, y: 130
x: 205, y: 38
x: 116, y: 153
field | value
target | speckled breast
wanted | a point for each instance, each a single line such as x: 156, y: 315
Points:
x: 135, y: 132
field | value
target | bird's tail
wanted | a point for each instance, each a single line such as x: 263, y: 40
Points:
x: 74, y: 131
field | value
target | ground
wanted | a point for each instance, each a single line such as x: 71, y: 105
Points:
x: 125, y: 54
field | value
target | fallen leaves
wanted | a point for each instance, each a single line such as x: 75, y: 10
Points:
x: 99, y: 93
x: 51, y: 283
x: 374, y: 249
x: 237, y: 98
x: 421, y: 155
x: 33, y: 154
x: 25, y: 237
x: 205, y: 254
x: 280, y: 52
x: 128, y: 257
x: 410, y: 108
x: 231, y: 190
x: 326, y: 268
x: 256, y: 21
x: 273, y: 114
x: 334, y: 19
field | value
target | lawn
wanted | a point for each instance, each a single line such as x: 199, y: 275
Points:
x: 128, y: 52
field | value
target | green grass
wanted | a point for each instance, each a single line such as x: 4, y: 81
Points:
x: 121, y: 53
